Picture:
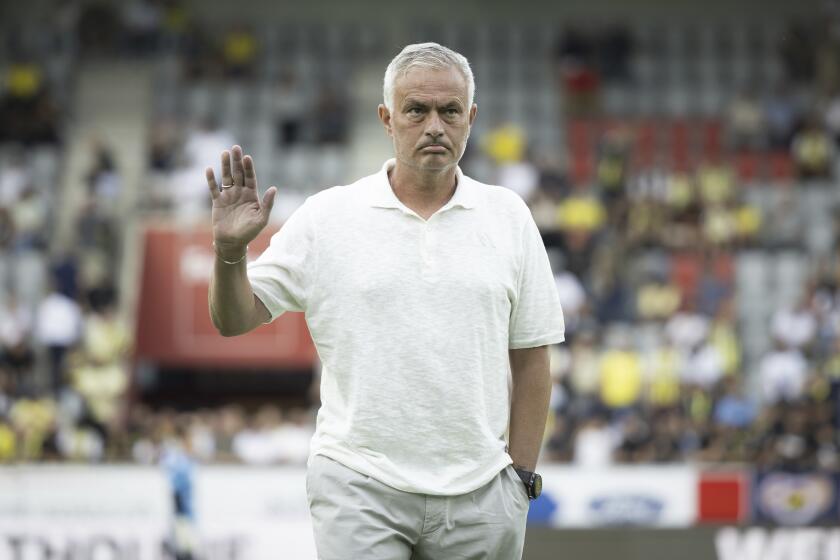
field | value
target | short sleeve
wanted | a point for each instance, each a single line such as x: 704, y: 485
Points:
x: 536, y: 318
x: 281, y: 277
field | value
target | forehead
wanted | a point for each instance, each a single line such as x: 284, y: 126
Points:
x: 431, y: 83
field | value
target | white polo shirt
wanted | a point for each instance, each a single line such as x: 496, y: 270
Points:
x: 412, y: 320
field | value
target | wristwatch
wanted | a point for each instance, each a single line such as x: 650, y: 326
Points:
x: 533, y: 482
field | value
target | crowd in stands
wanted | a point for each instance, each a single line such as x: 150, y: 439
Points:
x: 649, y: 222
x: 650, y: 230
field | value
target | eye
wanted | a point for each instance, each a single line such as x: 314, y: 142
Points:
x: 415, y: 111
x: 452, y: 111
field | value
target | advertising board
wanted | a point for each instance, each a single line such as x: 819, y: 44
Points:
x: 661, y: 496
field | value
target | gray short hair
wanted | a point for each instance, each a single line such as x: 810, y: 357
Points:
x: 426, y: 55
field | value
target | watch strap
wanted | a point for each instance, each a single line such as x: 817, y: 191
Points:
x: 527, y: 478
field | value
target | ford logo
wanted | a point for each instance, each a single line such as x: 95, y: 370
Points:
x: 626, y: 510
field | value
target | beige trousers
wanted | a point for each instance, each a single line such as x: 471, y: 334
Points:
x: 355, y: 517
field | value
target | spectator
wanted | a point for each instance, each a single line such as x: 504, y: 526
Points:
x: 504, y: 144
x: 257, y: 444
x: 725, y: 339
x: 594, y: 444
x: 581, y: 214
x: 782, y: 373
x: 746, y: 121
x: 103, y: 177
x: 16, y: 353
x: 636, y: 440
x: 141, y: 21
x: 8, y: 443
x: 687, y: 329
x: 782, y: 115
x: 578, y: 77
x: 795, y: 327
x: 290, y: 109
x: 203, y: 144
x: 15, y: 177
x: 788, y: 225
x: 703, y: 366
x: 813, y: 151
x: 522, y: 177
x: 585, y: 371
x: 29, y: 215
x: 201, y: 436
x: 293, y: 437
x: 559, y: 446
x: 663, y: 366
x: 239, y: 52
x: 572, y: 299
x: 620, y: 375
x: 734, y: 409
x: 58, y: 326
x: 612, y: 167
x: 657, y: 299
x: 33, y: 419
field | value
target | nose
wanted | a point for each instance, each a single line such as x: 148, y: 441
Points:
x: 434, y: 126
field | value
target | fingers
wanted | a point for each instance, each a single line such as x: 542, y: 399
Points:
x: 238, y: 172
x: 227, y: 178
x: 250, y: 173
x: 268, y: 202
x: 211, y: 183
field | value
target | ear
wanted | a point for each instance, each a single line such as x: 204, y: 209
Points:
x: 385, y: 117
x: 473, y: 111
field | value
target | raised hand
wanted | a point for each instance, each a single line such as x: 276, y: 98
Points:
x: 238, y: 215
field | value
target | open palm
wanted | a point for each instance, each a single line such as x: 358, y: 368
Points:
x: 238, y: 214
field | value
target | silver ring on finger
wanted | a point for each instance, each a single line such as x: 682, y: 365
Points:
x: 223, y: 187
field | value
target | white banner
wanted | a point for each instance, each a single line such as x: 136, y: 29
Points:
x: 125, y: 513
x: 258, y: 512
x: 660, y: 496
x: 81, y: 512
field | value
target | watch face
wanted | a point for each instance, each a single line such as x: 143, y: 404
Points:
x: 537, y: 485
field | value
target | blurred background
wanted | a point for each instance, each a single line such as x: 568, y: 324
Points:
x: 681, y: 160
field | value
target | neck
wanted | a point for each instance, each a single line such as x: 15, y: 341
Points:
x: 424, y: 188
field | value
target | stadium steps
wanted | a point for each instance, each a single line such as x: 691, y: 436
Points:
x: 113, y: 103
x: 369, y: 144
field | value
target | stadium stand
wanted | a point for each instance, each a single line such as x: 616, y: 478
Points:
x: 684, y: 177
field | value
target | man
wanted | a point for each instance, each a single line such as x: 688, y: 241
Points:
x: 426, y: 294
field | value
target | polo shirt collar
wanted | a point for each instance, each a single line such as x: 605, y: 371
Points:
x: 382, y: 195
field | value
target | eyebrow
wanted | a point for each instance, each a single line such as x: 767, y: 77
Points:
x: 414, y: 103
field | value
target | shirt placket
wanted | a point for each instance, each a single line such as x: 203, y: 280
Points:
x: 428, y: 252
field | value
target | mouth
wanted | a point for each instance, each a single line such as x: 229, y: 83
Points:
x: 434, y: 149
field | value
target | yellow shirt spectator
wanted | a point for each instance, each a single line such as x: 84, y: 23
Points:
x: 505, y: 144
x: 725, y: 341
x: 106, y: 339
x: 680, y: 191
x: 657, y: 300
x: 621, y: 378
x: 102, y: 386
x: 240, y: 47
x: 664, y: 380
x: 719, y: 225
x: 7, y: 443
x: 716, y: 183
x: 23, y: 80
x: 747, y: 221
x: 812, y: 151
x: 33, y: 419
x: 581, y: 213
